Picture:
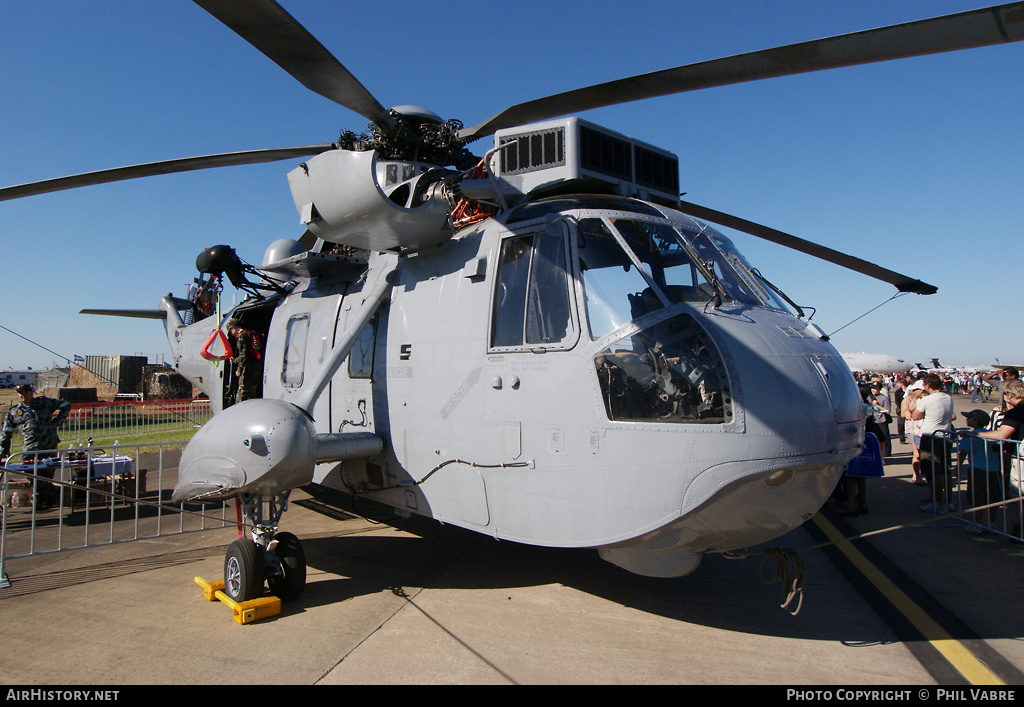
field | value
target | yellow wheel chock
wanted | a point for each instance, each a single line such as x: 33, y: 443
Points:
x: 243, y: 612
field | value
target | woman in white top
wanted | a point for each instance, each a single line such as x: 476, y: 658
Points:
x: 913, y: 430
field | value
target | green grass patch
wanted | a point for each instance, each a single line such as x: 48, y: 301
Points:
x: 104, y: 438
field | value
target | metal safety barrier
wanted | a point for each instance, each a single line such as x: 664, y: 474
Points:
x: 976, y: 480
x: 69, y: 499
x: 126, y: 419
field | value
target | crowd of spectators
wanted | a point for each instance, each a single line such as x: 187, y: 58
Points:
x: 982, y: 445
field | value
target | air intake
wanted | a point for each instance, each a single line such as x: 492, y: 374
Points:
x: 542, y: 155
x: 528, y: 152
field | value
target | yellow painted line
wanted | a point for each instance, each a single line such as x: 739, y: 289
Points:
x: 976, y: 672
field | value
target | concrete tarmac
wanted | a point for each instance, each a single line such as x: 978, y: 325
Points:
x: 421, y: 603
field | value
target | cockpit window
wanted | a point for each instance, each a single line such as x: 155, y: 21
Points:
x: 614, y: 291
x: 531, y: 300
x: 631, y: 260
x: 510, y: 298
x: 662, y: 263
x: 670, y: 372
x: 709, y: 245
x: 688, y: 267
x: 758, y: 283
x: 670, y: 261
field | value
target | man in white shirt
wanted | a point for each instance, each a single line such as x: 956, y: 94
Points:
x: 977, y: 392
x: 935, y: 412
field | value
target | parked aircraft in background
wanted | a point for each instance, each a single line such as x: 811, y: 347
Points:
x: 938, y: 366
x: 875, y: 363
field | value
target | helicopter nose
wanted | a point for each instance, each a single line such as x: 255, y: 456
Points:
x: 264, y: 446
x: 217, y: 479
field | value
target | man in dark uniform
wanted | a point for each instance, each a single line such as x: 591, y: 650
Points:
x: 38, y: 419
x: 897, y: 405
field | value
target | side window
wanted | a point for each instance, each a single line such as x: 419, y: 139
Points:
x: 547, y: 306
x: 360, y: 360
x: 295, y: 341
x: 510, y: 295
x: 531, y: 298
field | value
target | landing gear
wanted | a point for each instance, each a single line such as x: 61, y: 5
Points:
x: 290, y: 583
x: 243, y: 570
x: 275, y: 557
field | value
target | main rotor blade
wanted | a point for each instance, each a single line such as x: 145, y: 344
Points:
x: 184, y: 164
x: 965, y: 30
x: 901, y: 282
x: 268, y: 27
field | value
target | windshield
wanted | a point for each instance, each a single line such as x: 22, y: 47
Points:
x: 765, y: 290
x: 614, y: 290
x: 734, y: 286
x: 664, y: 264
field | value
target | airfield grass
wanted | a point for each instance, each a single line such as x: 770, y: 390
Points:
x: 104, y: 437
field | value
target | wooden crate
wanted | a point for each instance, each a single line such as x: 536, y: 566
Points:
x: 80, y: 498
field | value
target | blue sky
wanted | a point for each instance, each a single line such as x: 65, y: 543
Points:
x: 916, y: 165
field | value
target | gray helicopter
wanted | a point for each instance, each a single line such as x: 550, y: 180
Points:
x: 541, y: 343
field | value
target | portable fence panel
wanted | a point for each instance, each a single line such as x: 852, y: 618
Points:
x: 977, y: 480
x: 74, y: 498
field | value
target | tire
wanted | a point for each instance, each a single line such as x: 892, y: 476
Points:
x: 243, y: 571
x: 293, y: 561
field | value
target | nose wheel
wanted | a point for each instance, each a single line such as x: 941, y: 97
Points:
x: 243, y: 570
x: 269, y: 556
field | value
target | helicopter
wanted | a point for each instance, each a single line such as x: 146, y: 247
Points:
x: 541, y: 342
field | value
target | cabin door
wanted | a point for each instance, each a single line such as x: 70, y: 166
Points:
x: 351, y: 388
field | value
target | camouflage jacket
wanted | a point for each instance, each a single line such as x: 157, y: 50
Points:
x: 37, y: 423
x: 248, y: 349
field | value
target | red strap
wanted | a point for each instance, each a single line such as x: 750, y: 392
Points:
x: 217, y: 336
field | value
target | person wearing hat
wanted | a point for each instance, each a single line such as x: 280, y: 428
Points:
x: 977, y: 416
x: 913, y: 429
x: 998, y: 379
x: 38, y: 418
x: 1007, y: 374
x: 247, y: 346
x: 985, y: 479
x: 881, y: 410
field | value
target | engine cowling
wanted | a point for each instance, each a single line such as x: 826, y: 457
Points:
x: 341, y: 199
